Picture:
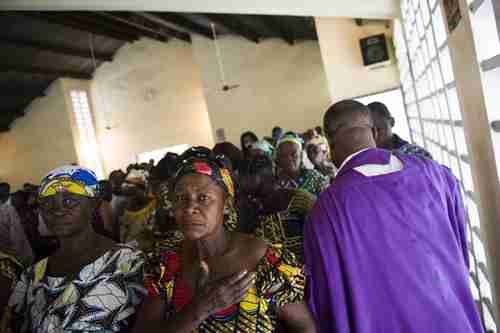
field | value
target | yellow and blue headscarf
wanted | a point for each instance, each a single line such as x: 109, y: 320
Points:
x: 201, y: 160
x: 71, y: 179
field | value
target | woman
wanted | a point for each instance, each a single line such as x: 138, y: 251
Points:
x: 141, y: 207
x: 247, y: 139
x: 291, y: 173
x: 261, y: 147
x: 215, y: 280
x: 90, y: 283
x: 317, y: 154
x: 278, y: 214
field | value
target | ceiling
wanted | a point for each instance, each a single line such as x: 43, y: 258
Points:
x: 40, y: 47
x: 378, y: 9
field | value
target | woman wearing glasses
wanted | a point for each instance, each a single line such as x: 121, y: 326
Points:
x: 215, y: 280
x: 90, y: 283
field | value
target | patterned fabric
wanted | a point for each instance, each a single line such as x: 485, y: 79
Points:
x: 265, y: 147
x: 309, y: 180
x: 132, y: 224
x: 202, y: 161
x: 103, y: 296
x: 72, y: 179
x: 286, y: 227
x: 278, y: 282
x: 407, y: 148
x: 291, y: 137
x: 10, y: 267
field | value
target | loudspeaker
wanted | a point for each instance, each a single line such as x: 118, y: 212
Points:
x: 374, y: 50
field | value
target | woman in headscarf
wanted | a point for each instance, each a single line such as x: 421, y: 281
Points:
x: 317, y: 154
x: 276, y: 215
x: 291, y: 173
x: 261, y: 147
x: 216, y: 280
x: 230, y: 151
x: 90, y: 283
x: 247, y: 139
x: 141, y: 208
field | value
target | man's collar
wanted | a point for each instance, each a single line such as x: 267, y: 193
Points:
x: 350, y: 157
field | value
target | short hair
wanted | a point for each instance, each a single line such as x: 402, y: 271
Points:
x: 277, y: 128
x: 380, y: 109
x: 346, y: 108
x: 5, y: 186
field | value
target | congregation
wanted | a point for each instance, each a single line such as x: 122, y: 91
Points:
x: 343, y: 228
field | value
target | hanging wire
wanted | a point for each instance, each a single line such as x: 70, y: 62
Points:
x: 218, y: 55
x: 107, y: 115
x: 91, y: 44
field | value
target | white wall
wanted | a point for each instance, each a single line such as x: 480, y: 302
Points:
x: 38, y: 142
x: 334, y: 8
x: 347, y: 76
x: 279, y: 85
x: 151, y: 97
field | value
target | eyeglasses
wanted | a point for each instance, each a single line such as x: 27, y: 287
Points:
x: 67, y: 202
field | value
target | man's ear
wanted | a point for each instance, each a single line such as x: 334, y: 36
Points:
x: 392, y: 122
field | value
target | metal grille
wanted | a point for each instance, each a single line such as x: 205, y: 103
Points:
x: 435, y: 120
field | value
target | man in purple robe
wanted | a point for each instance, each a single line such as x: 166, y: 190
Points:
x: 385, y: 246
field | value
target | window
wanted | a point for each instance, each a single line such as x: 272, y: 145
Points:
x: 89, y: 152
x: 435, y: 118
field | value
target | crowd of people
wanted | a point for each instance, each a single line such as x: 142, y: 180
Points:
x: 343, y: 228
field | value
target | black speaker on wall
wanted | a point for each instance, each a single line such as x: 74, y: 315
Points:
x: 374, y: 49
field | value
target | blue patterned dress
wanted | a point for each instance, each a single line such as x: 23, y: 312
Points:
x: 102, y: 297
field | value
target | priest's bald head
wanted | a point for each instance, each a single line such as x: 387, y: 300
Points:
x: 349, y: 129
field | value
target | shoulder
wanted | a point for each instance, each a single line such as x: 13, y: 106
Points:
x: 252, y: 249
x: 312, y: 173
x: 126, y: 257
x: 302, y: 200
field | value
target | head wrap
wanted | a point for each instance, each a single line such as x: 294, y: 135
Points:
x: 71, y: 179
x: 201, y: 160
x: 264, y: 146
x: 291, y: 137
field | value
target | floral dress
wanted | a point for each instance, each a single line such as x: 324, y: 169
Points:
x: 102, y: 297
x: 278, y: 282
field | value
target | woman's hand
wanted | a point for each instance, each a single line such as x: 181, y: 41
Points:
x: 213, y: 296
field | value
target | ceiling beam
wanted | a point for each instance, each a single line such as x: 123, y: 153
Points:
x: 64, y: 21
x: 274, y: 24
x: 57, y: 49
x: 165, y: 25
x: 159, y: 34
x: 95, y: 19
x: 21, y: 94
x: 185, y: 23
x: 45, y: 71
x: 235, y: 26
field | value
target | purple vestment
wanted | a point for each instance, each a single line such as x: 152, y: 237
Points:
x: 388, y: 253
